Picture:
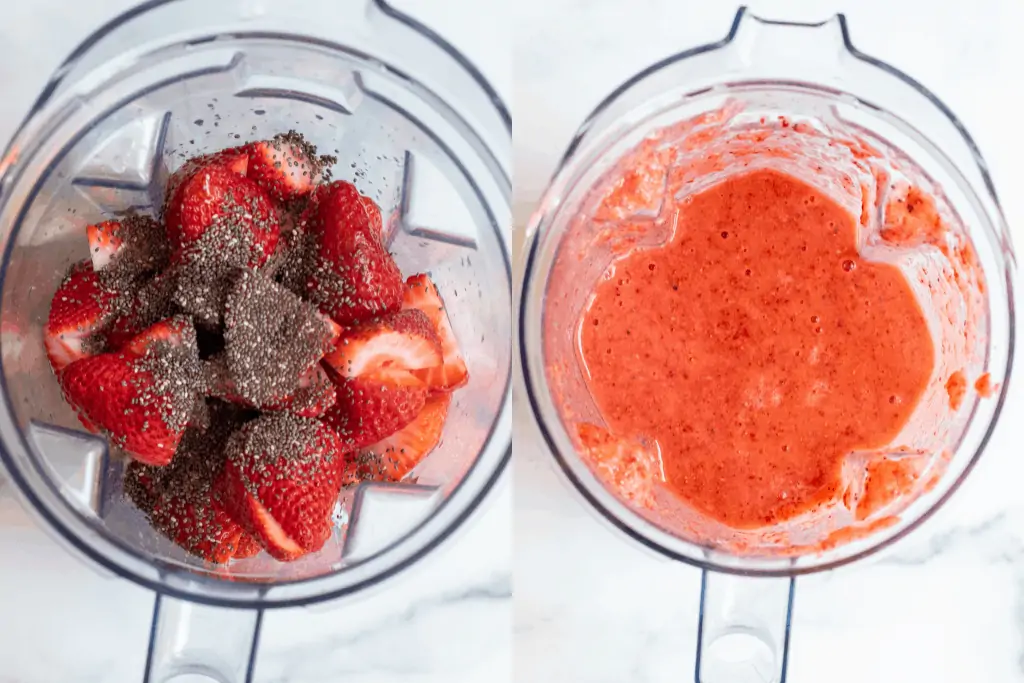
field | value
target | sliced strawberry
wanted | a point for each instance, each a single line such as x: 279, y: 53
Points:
x: 282, y: 480
x: 150, y: 302
x: 215, y: 209
x: 370, y: 410
x: 182, y: 500
x: 395, y: 456
x: 286, y: 166
x: 354, y: 277
x: 104, y: 243
x: 235, y: 159
x: 314, y: 396
x: 173, y: 331
x: 373, y: 213
x: 422, y: 295
x: 397, y: 343
x: 125, y: 250
x: 79, y: 311
x: 142, y: 401
x: 247, y: 547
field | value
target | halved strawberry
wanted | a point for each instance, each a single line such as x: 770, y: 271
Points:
x: 285, y: 166
x: 127, y: 249
x: 141, y: 400
x: 314, y: 396
x: 235, y: 159
x: 354, y: 277
x: 230, y: 211
x: 148, y: 304
x: 369, y: 410
x: 80, y: 309
x: 247, y: 547
x: 398, y: 343
x: 183, y: 500
x: 395, y: 456
x: 422, y: 295
x: 282, y: 479
x: 173, y: 331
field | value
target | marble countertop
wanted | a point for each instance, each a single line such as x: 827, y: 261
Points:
x: 944, y: 605
x: 448, y: 620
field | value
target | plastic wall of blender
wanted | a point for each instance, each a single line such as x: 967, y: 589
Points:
x: 759, y: 51
x: 403, y: 45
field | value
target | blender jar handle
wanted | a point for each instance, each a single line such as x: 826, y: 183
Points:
x: 202, y: 643
x: 743, y: 632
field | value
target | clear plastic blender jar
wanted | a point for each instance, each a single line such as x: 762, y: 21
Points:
x: 725, y: 109
x: 413, y: 124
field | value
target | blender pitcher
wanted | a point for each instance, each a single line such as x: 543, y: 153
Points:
x: 797, y: 98
x: 413, y: 124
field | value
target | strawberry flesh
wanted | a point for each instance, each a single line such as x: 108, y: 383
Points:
x: 80, y: 310
x: 126, y: 250
x: 354, y: 277
x: 282, y: 480
x: 287, y: 166
x: 393, y: 345
x: 183, y: 501
x: 216, y: 212
x: 367, y: 410
x: 394, y: 457
x: 142, y: 401
x: 421, y: 294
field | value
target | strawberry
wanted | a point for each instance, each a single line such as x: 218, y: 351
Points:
x: 79, y: 311
x: 216, y: 210
x: 396, y: 344
x: 286, y: 167
x: 369, y: 410
x: 422, y: 295
x: 125, y: 250
x: 395, y: 456
x: 373, y: 213
x: 314, y: 396
x: 354, y: 277
x: 282, y: 479
x: 247, y: 547
x: 235, y: 159
x: 184, y: 500
x: 143, y: 396
x: 149, y: 303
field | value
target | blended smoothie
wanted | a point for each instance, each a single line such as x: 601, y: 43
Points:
x: 756, y: 348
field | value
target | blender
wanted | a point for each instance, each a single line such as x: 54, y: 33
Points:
x: 716, y: 111
x: 414, y: 125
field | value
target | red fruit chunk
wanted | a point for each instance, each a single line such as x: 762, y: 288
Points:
x: 233, y: 212
x: 183, y: 501
x: 282, y: 479
x: 422, y: 295
x: 395, y: 456
x: 368, y: 410
x: 247, y: 547
x: 127, y: 249
x: 354, y: 277
x: 79, y: 311
x: 142, y: 401
x: 286, y: 166
x: 393, y: 345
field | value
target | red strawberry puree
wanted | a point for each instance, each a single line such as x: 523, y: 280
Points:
x: 757, y: 348
x: 783, y: 337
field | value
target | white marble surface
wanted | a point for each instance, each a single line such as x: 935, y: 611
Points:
x: 944, y: 605
x: 448, y: 620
